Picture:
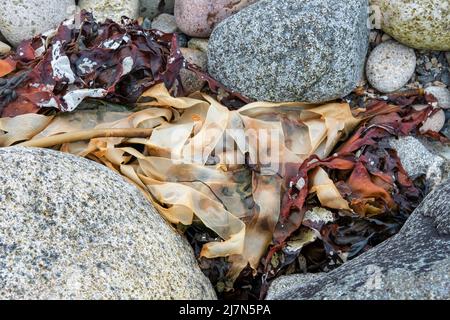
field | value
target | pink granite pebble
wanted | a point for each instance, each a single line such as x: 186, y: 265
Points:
x: 198, y: 18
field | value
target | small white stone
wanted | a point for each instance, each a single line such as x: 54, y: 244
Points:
x: 190, y: 81
x: 441, y: 94
x: 434, y: 123
x: 4, y: 48
x: 390, y: 66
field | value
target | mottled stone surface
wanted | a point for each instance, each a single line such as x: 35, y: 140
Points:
x: 289, y: 50
x: 111, y: 9
x: 189, y: 79
x: 414, y: 264
x: 435, y: 122
x: 198, y: 44
x: 390, y: 66
x: 419, y: 160
x: 72, y: 229
x: 23, y: 19
x: 198, y: 18
x: 441, y: 94
x: 286, y: 283
x: 152, y: 8
x: 420, y: 24
x: 165, y: 22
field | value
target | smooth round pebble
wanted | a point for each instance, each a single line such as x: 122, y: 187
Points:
x: 23, y: 19
x: 151, y: 8
x: 189, y: 79
x: 165, y: 23
x: 390, y: 66
x: 434, y: 123
x: 4, y: 48
x: 419, y: 24
x: 441, y: 94
x: 198, y: 18
x: 198, y: 44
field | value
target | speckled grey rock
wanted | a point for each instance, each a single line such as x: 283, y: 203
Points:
x: 165, y: 23
x: 414, y: 264
x: 285, y: 50
x: 420, y: 24
x: 23, y: 19
x: 419, y: 158
x: 151, y: 8
x: 286, y: 283
x: 441, y: 94
x: 189, y: 79
x: 112, y: 9
x: 390, y: 66
x: 72, y: 229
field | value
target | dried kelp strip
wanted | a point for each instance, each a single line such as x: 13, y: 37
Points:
x: 86, y: 59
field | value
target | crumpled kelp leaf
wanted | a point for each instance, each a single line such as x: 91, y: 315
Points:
x: 367, y: 178
x: 83, y: 59
x: 21, y: 128
x: 206, y: 162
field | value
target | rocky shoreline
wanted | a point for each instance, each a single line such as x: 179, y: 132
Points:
x: 95, y: 236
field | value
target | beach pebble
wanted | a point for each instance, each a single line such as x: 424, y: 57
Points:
x: 4, y: 48
x: 165, y: 22
x: 441, y: 94
x: 198, y: 44
x: 390, y: 66
x: 419, y: 24
x: 152, y: 8
x: 111, y: 9
x: 23, y: 19
x: 190, y: 81
x: 434, y: 123
x: 198, y: 18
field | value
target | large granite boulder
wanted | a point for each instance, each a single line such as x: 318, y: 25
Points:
x: 414, y: 264
x: 420, y: 24
x: 289, y: 50
x: 72, y: 229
